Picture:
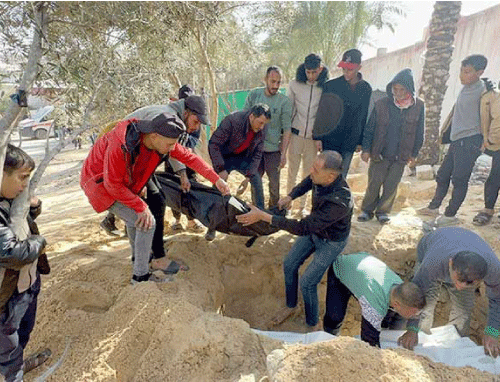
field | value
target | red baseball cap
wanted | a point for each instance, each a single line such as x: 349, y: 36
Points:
x: 351, y: 59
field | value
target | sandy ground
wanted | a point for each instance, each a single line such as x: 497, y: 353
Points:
x: 197, y: 328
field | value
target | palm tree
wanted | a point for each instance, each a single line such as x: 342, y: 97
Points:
x: 435, y: 73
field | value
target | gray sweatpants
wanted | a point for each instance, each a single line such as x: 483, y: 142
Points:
x: 383, y: 174
x: 140, y: 241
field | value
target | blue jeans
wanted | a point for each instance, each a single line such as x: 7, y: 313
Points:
x: 16, y: 323
x: 325, y: 253
x: 239, y: 164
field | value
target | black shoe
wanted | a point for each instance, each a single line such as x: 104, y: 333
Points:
x: 109, y: 227
x: 383, y: 218
x: 365, y: 216
x: 210, y: 235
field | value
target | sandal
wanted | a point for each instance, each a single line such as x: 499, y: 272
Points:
x: 36, y: 359
x: 197, y: 227
x: 481, y: 219
x: 173, y: 268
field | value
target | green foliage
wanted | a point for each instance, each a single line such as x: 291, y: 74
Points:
x: 295, y: 29
x: 118, y: 56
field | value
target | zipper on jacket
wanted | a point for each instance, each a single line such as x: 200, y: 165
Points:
x: 308, y: 109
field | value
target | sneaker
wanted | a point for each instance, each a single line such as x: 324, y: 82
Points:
x: 365, y: 216
x: 434, y: 212
x: 36, y: 359
x: 446, y: 221
x: 109, y: 227
x: 210, y: 235
x: 383, y: 218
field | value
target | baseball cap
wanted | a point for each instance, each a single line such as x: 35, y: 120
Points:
x: 185, y: 91
x: 166, y: 124
x: 351, y: 59
x: 198, y: 106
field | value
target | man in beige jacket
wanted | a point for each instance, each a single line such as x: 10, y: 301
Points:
x: 304, y: 92
x: 490, y: 126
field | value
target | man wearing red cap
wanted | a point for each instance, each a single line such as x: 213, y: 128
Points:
x: 355, y: 94
x: 118, y: 167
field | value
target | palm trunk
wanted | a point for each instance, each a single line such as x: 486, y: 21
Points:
x: 435, y: 73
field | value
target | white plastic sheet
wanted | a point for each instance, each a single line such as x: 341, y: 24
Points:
x: 443, y: 345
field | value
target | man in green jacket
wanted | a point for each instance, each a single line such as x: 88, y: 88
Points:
x: 278, y: 130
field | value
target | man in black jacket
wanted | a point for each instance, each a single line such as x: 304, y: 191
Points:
x: 19, y: 278
x: 237, y: 144
x: 392, y: 139
x: 325, y: 232
x: 355, y: 94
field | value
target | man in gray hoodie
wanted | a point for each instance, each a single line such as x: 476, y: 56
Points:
x: 391, y: 140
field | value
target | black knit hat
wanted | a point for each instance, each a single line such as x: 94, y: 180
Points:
x: 166, y: 124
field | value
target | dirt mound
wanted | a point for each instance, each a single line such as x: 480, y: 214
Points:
x: 346, y: 359
x: 197, y: 328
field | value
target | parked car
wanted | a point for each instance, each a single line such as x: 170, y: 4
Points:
x: 39, y: 125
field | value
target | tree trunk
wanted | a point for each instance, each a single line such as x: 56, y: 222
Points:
x: 435, y: 73
x: 20, y: 205
x: 211, y: 75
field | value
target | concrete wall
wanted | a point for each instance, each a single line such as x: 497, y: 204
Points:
x: 476, y: 34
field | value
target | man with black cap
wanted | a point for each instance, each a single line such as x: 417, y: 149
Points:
x: 355, y: 93
x: 304, y: 93
x: 117, y: 169
x: 324, y: 232
x: 192, y: 111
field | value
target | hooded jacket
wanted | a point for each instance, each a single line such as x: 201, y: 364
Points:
x: 305, y: 100
x: 119, y: 166
x: 393, y: 133
x: 148, y: 113
x: 15, y: 254
x: 349, y: 132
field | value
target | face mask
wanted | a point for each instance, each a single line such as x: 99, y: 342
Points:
x: 404, y: 103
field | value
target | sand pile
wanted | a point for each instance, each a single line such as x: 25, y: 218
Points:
x: 346, y: 359
x: 197, y: 328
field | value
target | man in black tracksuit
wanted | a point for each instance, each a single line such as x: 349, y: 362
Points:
x: 355, y: 93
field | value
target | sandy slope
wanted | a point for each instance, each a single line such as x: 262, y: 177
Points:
x: 183, y: 330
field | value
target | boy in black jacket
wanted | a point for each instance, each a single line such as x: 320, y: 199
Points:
x: 19, y: 276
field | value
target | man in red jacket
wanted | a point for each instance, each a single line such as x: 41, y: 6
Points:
x: 117, y: 169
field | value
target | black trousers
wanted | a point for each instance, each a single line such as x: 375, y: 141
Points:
x: 492, y: 185
x: 156, y: 203
x: 337, y: 299
x: 456, y: 167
